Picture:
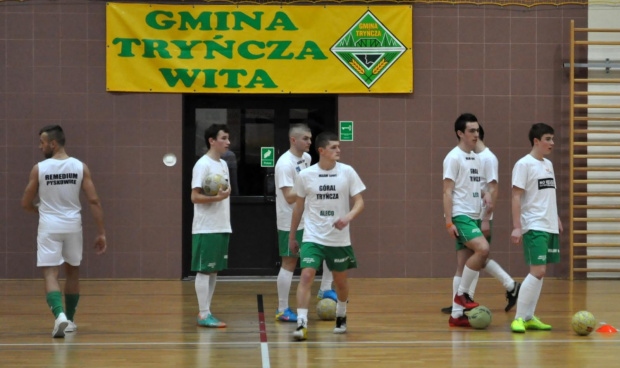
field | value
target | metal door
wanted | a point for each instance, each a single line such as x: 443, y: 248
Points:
x: 254, y: 122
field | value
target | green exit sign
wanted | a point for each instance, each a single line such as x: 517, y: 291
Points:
x: 346, y: 130
x: 267, y: 157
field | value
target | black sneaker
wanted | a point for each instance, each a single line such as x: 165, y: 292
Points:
x: 511, y: 296
x: 341, y: 325
x: 446, y: 310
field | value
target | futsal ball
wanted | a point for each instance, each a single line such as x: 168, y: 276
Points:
x: 212, y: 184
x: 479, y: 317
x: 326, y: 309
x: 583, y: 323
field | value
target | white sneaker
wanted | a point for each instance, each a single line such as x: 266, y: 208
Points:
x: 71, y: 327
x: 60, y: 325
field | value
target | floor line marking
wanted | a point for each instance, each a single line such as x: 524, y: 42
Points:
x: 264, y: 347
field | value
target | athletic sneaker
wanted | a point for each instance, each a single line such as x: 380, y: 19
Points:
x: 327, y: 294
x: 71, y: 327
x: 341, y: 325
x: 301, y: 333
x: 518, y: 325
x: 465, y: 301
x: 536, y: 324
x: 462, y: 321
x: 511, y: 296
x: 210, y: 321
x: 446, y: 310
x: 60, y: 325
x: 286, y: 316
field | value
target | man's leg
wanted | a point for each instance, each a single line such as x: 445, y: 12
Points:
x: 284, y: 280
x: 461, y: 258
x: 342, y: 286
x: 511, y: 286
x: 474, y: 264
x: 326, y: 291
x: 303, y: 301
x: 54, y: 300
x: 72, y: 294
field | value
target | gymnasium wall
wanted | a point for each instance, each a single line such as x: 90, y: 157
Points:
x: 502, y: 64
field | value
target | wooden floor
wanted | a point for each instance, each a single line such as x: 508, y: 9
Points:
x: 392, y: 323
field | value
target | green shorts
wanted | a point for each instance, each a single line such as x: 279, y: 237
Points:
x: 468, y: 229
x: 338, y: 259
x: 210, y: 252
x: 541, y: 247
x: 283, y: 242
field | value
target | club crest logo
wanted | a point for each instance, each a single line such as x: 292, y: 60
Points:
x: 368, y: 49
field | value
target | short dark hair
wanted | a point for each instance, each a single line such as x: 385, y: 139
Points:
x: 461, y: 122
x: 212, y: 132
x: 538, y: 130
x: 323, y: 139
x: 54, y: 133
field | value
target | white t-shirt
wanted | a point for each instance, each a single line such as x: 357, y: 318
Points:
x: 60, y: 182
x: 464, y: 169
x: 287, y: 168
x: 211, y: 217
x: 539, y: 209
x: 489, y: 166
x: 327, y: 196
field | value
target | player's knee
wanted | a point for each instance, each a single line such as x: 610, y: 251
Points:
x: 307, y: 276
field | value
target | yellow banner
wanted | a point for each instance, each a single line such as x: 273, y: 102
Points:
x: 259, y: 49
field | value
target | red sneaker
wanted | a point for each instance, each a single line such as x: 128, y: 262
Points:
x: 462, y: 321
x: 466, y: 301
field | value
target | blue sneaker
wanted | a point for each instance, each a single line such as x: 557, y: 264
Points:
x: 327, y: 294
x: 287, y: 316
x: 210, y: 321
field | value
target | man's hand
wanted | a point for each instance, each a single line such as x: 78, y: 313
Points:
x: 100, y: 244
x: 293, y: 245
x: 453, y: 231
x: 516, y: 236
x: 486, y: 228
x: 341, y: 223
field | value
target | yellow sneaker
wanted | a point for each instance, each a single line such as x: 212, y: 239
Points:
x: 536, y: 324
x: 518, y: 325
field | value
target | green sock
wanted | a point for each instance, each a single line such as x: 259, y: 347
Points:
x: 54, y: 300
x: 71, y: 303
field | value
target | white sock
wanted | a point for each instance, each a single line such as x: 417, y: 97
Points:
x: 530, y: 312
x: 495, y: 270
x: 528, y: 297
x: 472, y: 287
x: 341, y: 308
x: 327, y: 279
x: 456, y: 281
x: 457, y: 310
x: 468, y: 277
x: 212, y: 281
x: 202, y: 292
x: 285, y: 278
x: 302, y: 317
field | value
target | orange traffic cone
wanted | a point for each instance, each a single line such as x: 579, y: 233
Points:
x: 606, y: 329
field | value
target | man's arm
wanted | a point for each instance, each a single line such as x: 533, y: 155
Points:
x: 198, y: 196
x: 492, y: 193
x: 31, y: 191
x: 289, y: 195
x: 358, y: 207
x: 517, y: 234
x: 95, y: 207
x: 448, y: 188
x: 298, y: 211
